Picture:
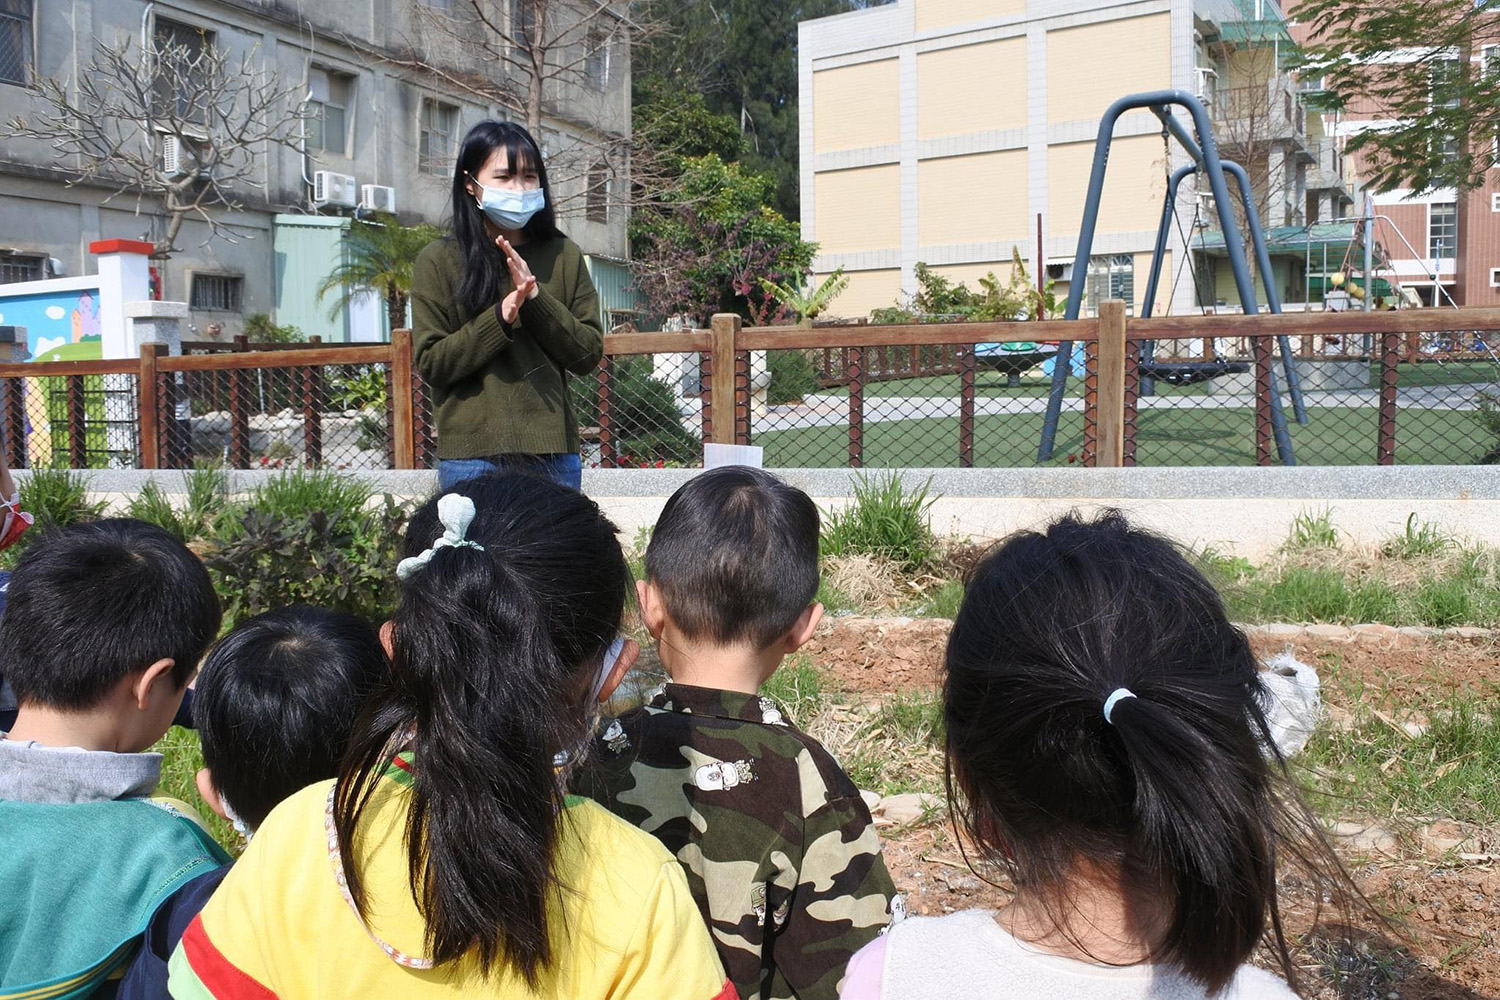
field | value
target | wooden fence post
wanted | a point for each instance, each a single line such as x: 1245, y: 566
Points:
x: 148, y: 413
x: 1260, y: 349
x: 239, y: 420
x: 1110, y: 419
x: 726, y: 329
x: 605, y: 375
x: 965, y: 407
x: 15, y: 422
x: 77, y: 422
x: 403, y: 428
x: 742, y: 397
x: 1390, y: 356
x: 855, y: 373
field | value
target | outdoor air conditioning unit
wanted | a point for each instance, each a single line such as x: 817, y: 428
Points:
x: 174, y: 159
x: 334, y: 189
x: 378, y: 198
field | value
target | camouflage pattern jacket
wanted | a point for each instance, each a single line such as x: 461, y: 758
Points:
x: 780, y: 850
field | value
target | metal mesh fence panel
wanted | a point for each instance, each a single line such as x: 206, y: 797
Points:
x: 328, y: 416
x: 71, y: 421
x: 643, y: 411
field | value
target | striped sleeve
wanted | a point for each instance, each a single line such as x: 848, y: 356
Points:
x: 199, y: 971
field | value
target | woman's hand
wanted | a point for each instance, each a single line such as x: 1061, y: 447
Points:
x: 520, y: 274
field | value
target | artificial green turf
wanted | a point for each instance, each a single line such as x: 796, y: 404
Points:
x: 1333, y: 436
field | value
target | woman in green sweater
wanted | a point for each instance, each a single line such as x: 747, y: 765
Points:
x: 502, y: 311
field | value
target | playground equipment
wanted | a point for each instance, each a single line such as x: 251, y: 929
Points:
x: 1205, y: 154
x: 1011, y: 359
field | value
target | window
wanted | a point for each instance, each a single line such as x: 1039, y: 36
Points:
x: 1445, y: 79
x: 522, y: 22
x: 596, y: 61
x: 217, y: 291
x: 182, y: 54
x: 22, y: 267
x: 439, y: 123
x: 1495, y: 201
x: 597, y: 201
x: 328, y: 111
x: 15, y: 41
x: 1442, y: 231
x: 1111, y: 277
x: 1495, y: 277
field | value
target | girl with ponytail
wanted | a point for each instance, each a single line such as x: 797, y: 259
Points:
x: 447, y: 859
x: 1107, y: 745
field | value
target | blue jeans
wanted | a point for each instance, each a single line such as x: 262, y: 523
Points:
x: 565, y: 469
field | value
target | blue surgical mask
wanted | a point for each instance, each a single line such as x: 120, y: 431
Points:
x: 511, y: 209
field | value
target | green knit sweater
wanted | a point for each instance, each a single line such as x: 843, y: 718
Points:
x: 498, y: 389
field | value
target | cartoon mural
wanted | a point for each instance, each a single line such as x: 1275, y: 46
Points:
x: 60, y: 326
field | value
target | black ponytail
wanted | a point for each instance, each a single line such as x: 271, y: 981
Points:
x: 494, y: 654
x: 1180, y: 792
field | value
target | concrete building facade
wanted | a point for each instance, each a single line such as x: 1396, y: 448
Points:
x: 939, y: 130
x: 395, y: 128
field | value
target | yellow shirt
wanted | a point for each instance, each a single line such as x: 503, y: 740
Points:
x: 280, y: 925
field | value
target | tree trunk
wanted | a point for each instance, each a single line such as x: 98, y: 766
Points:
x: 395, y: 307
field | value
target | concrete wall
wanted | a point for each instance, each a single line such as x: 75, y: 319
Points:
x: 941, y: 129
x: 1245, y: 511
x: 39, y: 214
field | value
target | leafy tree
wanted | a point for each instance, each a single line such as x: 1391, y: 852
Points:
x: 704, y: 244
x: 807, y: 303
x: 741, y: 55
x: 378, y: 254
x: 1438, y: 111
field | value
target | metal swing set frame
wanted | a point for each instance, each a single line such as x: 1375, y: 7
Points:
x: 1205, y: 155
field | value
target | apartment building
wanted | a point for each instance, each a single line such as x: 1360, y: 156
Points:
x: 379, y: 135
x: 940, y: 130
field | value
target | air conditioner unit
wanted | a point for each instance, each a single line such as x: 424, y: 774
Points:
x: 174, y: 159
x: 330, y: 188
x: 378, y: 198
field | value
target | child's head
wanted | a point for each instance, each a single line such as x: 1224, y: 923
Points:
x: 502, y: 648
x: 733, y: 561
x: 109, y: 618
x: 276, y: 701
x: 1171, y: 794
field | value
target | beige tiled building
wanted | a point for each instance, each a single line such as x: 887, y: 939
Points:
x: 939, y: 130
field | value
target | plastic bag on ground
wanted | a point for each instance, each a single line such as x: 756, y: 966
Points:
x: 1292, y: 702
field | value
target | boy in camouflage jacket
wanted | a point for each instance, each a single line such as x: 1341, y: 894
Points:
x: 780, y: 850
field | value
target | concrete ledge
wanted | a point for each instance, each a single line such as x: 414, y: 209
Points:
x: 1247, y: 511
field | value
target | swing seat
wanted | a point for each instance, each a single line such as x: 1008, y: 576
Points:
x: 1190, y: 372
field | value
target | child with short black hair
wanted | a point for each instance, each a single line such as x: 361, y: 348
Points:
x: 103, y: 629
x: 276, y: 701
x: 779, y: 847
x: 447, y: 859
x: 1107, y: 746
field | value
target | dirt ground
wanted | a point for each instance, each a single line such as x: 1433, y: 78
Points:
x: 1442, y: 941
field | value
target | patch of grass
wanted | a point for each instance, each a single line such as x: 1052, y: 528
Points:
x: 1419, y: 539
x: 886, y: 520
x: 1323, y: 594
x: 833, y: 599
x: 181, y: 759
x: 896, y: 749
x: 1312, y: 531
x: 799, y: 687
x: 153, y: 507
x: 943, y: 602
x: 1377, y: 768
x: 296, y: 492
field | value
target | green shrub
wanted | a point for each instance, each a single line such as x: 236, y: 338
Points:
x: 360, y: 389
x: 1487, y: 413
x: 153, y: 507
x: 793, y: 377
x: 334, y: 556
x: 884, y: 520
x: 56, y: 498
x: 1419, y: 539
x: 261, y: 329
x: 298, y: 491
x: 1312, y: 531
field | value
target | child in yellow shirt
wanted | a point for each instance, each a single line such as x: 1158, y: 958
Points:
x: 446, y: 860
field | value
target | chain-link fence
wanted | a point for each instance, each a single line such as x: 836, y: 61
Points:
x: 1389, y: 388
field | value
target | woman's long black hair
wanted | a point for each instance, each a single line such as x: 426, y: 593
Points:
x: 484, y: 264
x: 1184, y: 794
x: 494, y: 655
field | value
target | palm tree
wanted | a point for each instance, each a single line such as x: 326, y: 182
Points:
x: 378, y: 254
x: 809, y: 302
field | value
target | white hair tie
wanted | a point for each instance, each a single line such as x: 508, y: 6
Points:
x: 1119, y: 695
x: 455, y: 513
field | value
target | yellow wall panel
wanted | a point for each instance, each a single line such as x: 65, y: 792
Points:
x: 856, y: 106
x: 969, y: 274
x: 1134, y: 186
x: 859, y: 209
x: 867, y: 290
x: 971, y: 88
x: 971, y: 199
x: 1137, y: 52
x: 1163, y: 284
x: 933, y: 14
